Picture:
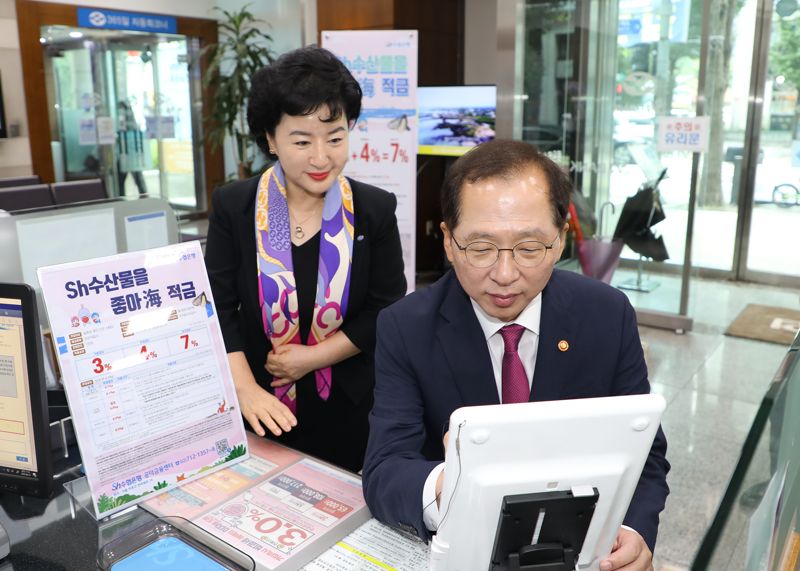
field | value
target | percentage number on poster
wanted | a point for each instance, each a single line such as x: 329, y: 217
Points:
x: 270, y: 529
x: 395, y: 154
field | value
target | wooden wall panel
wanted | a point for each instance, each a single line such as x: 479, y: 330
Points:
x: 441, y: 38
x: 355, y: 15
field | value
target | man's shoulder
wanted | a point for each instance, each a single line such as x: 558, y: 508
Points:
x: 584, y: 290
x: 421, y: 304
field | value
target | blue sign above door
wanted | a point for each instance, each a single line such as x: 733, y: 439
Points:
x: 133, y: 21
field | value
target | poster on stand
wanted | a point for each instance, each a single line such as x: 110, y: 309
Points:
x: 145, y: 372
x: 383, y: 142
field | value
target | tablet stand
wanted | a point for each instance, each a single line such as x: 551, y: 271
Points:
x: 557, y: 522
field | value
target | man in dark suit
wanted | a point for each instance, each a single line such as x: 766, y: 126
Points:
x: 502, y: 326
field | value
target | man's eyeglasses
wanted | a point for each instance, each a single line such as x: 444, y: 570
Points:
x: 485, y: 254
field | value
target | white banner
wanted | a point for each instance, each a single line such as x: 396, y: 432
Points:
x: 383, y: 144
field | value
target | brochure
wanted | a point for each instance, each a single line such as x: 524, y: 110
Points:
x: 280, y: 507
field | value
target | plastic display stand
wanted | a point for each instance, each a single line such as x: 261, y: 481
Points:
x: 80, y: 496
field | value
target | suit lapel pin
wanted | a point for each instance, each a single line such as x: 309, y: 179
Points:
x: 563, y: 345
x: 360, y: 237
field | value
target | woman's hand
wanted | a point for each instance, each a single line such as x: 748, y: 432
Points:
x: 259, y: 407
x: 291, y: 362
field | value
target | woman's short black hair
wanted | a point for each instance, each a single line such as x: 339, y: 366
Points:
x: 298, y: 83
x: 503, y: 159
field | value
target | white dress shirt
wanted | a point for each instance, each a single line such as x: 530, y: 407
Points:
x: 528, y: 346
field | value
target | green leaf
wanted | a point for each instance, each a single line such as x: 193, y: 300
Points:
x: 242, y: 50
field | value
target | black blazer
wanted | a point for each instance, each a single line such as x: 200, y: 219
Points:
x: 376, y: 279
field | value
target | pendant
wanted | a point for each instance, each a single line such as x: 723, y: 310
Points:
x: 298, y: 233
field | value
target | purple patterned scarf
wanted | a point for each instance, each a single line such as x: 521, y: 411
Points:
x: 277, y: 291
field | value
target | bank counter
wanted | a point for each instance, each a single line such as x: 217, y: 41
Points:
x: 60, y: 534
x: 757, y: 525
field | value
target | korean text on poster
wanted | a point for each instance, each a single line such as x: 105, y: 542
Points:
x: 145, y: 371
x: 383, y: 141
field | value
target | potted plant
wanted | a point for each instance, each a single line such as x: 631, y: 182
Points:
x: 242, y: 50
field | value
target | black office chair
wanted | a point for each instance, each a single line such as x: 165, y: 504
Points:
x: 79, y: 191
x: 19, y: 181
x: 21, y: 197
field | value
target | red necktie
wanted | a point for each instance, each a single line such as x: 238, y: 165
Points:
x: 514, y: 379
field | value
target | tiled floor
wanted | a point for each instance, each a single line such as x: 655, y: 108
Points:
x: 713, y: 385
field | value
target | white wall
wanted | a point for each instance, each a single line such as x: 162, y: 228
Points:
x: 480, y: 42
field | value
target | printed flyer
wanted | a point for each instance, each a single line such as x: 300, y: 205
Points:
x: 280, y: 507
x: 145, y: 371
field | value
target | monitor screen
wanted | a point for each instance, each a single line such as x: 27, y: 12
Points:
x: 24, y: 443
x: 454, y: 119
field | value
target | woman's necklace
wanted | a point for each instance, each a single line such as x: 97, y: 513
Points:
x: 298, y: 226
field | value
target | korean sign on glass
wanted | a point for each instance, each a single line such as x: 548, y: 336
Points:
x: 682, y: 134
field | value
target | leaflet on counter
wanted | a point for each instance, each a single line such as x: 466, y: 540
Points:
x: 280, y: 507
x: 145, y: 371
x: 374, y: 546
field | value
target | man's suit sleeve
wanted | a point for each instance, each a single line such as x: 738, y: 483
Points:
x: 222, y: 264
x: 386, y: 281
x: 651, y: 492
x: 395, y: 468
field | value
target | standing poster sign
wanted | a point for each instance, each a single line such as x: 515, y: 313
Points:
x: 145, y: 371
x: 383, y: 144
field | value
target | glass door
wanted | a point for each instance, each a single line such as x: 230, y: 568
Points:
x: 74, y: 96
x: 770, y: 230
x: 126, y: 109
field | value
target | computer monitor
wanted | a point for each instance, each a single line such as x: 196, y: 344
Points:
x: 25, y: 461
x: 456, y: 118
x: 577, y: 448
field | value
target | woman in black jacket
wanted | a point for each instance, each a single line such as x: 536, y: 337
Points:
x: 301, y: 259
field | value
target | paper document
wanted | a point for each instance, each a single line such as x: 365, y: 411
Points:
x: 374, y: 546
